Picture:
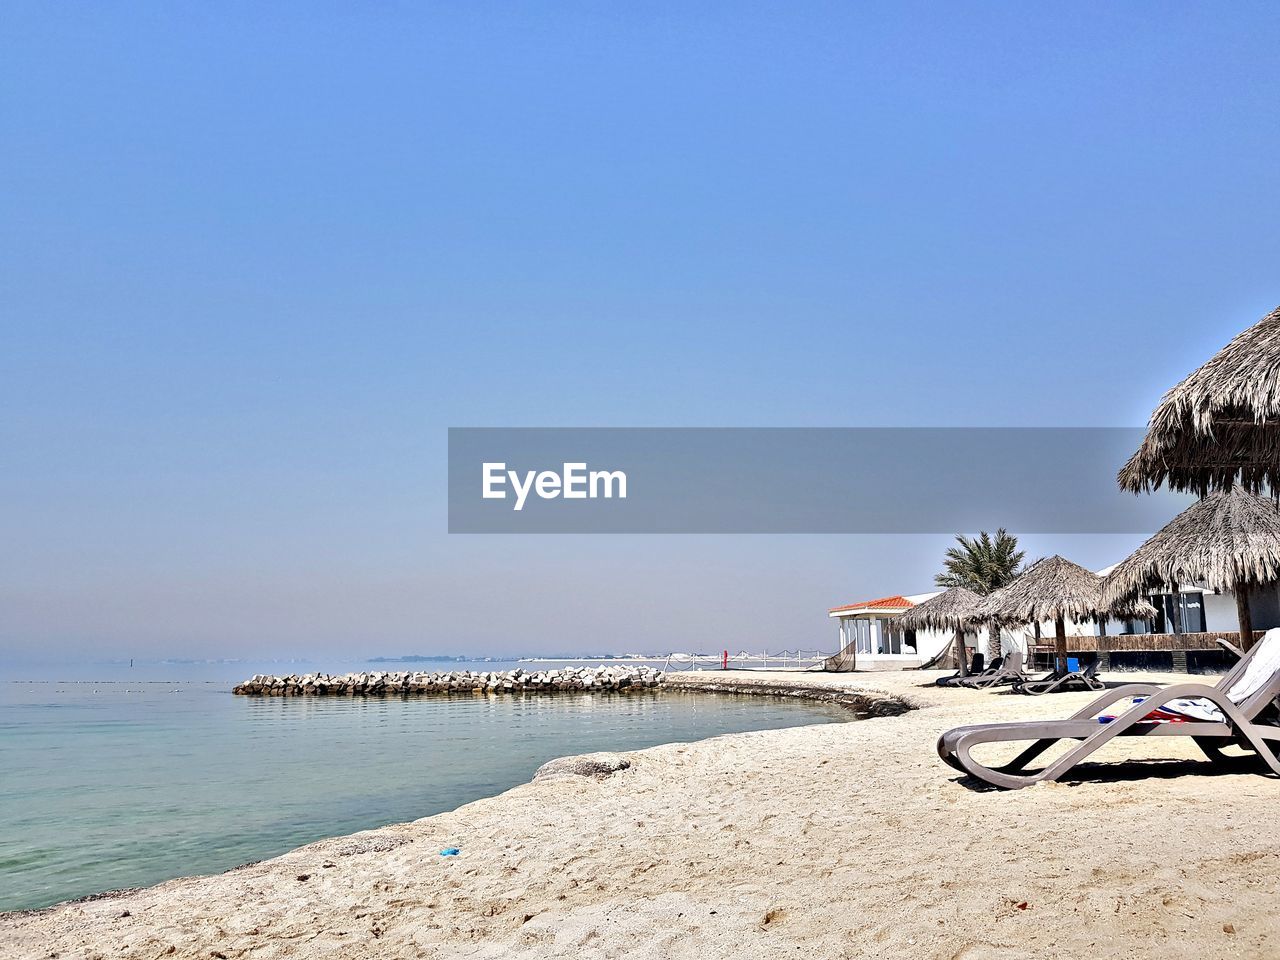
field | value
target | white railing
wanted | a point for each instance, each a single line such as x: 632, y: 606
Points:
x: 744, y: 660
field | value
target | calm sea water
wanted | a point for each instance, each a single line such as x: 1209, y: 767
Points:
x: 127, y: 783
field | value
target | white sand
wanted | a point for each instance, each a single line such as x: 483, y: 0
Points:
x: 843, y: 840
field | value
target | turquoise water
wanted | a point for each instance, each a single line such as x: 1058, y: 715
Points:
x: 122, y: 784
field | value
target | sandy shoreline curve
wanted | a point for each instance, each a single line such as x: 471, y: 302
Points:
x: 837, y: 840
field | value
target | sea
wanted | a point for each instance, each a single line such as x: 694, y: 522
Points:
x: 115, y: 776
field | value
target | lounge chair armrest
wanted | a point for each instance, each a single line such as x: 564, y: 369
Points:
x: 1112, y: 696
x: 1230, y: 647
x: 1162, y: 695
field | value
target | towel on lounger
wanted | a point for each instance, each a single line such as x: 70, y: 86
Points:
x: 1263, y: 666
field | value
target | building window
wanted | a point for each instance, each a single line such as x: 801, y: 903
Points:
x: 890, y: 637
x: 1179, y: 612
x: 861, y: 634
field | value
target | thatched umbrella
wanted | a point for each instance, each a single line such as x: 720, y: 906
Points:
x: 1227, y: 541
x: 1221, y: 425
x: 950, y: 610
x: 1056, y: 589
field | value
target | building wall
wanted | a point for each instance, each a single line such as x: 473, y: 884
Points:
x: 1011, y: 640
x: 1220, y: 612
x: 930, y: 643
x: 1264, y: 606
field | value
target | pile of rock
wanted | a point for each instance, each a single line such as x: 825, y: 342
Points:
x: 615, y: 678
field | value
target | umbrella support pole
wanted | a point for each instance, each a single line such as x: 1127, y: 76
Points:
x: 1244, y: 616
x: 1060, y: 644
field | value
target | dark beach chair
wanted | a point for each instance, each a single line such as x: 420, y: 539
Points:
x: 1055, y: 682
x: 975, y: 668
x: 995, y: 664
x: 1245, y: 697
x: 1010, y: 671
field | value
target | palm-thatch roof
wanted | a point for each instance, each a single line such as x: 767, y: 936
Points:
x: 950, y: 610
x: 1055, y: 588
x: 1224, y: 540
x: 1221, y: 425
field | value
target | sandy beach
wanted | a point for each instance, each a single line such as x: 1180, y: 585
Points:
x: 843, y: 840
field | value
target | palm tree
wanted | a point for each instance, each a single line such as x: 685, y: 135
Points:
x: 982, y: 564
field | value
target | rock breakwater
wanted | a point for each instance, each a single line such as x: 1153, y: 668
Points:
x: 620, y: 679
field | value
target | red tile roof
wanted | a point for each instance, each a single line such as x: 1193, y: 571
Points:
x: 884, y: 603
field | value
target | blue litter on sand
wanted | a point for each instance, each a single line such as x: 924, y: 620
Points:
x: 450, y: 852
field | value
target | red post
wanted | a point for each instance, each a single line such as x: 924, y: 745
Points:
x: 724, y: 660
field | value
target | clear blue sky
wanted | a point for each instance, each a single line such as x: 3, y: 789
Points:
x: 256, y: 258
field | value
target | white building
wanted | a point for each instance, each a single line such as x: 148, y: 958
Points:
x: 879, y: 644
x: 868, y: 629
x: 1194, y: 608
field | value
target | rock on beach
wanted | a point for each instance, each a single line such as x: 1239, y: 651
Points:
x: 583, y: 765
